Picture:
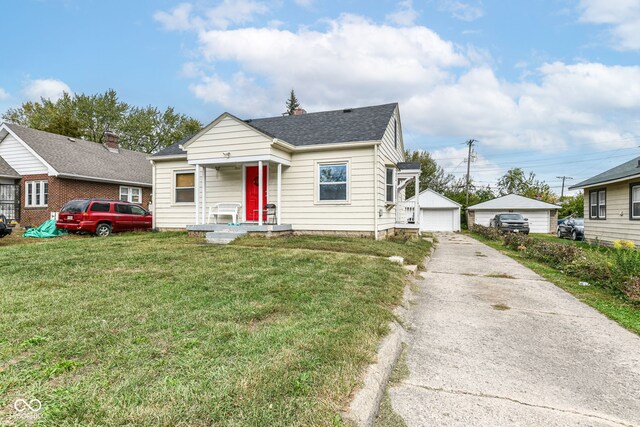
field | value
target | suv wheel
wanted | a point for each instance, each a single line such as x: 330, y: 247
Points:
x: 574, y: 236
x: 559, y: 233
x: 103, y: 230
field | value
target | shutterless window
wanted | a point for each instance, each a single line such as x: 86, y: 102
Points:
x: 185, y: 187
x: 598, y: 204
x: 593, y: 204
x: 37, y: 193
x: 395, y: 133
x: 602, y: 204
x: 635, y: 202
x: 131, y: 194
x: 390, y: 186
x: 99, y: 207
x: 333, y: 182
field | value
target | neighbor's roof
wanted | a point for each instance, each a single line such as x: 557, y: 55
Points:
x: 85, y: 159
x: 408, y: 165
x: 326, y: 127
x: 512, y: 202
x: 432, y: 199
x: 625, y: 170
x: 6, y: 170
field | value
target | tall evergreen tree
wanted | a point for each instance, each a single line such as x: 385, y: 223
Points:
x: 292, y: 103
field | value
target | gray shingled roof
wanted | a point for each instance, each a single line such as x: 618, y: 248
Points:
x: 408, y: 165
x: 327, y: 127
x: 627, y: 169
x: 173, y: 149
x: 86, y: 158
x: 6, y: 170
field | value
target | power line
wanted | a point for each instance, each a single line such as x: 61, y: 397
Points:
x: 470, y: 144
x: 563, y: 178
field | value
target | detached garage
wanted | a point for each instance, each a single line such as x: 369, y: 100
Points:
x: 543, y: 217
x: 438, y: 213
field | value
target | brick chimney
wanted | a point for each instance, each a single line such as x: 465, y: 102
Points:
x: 110, y: 141
x: 299, y: 111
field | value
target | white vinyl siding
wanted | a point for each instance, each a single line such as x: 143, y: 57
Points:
x: 169, y: 215
x: 20, y: 158
x: 36, y: 194
x: 390, y: 152
x: 635, y: 201
x: 619, y: 225
x: 131, y: 194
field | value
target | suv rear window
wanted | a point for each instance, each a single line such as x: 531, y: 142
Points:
x: 75, y: 206
x: 100, y: 207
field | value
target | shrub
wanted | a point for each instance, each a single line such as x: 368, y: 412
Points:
x: 631, y: 288
x: 590, y: 266
x: 487, y: 232
x: 555, y: 254
x: 626, y: 263
x: 623, y: 244
x: 517, y: 241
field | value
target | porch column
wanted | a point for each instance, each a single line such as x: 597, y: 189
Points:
x: 260, y: 189
x: 416, y: 208
x: 278, y: 208
x: 204, y: 194
x: 196, y: 192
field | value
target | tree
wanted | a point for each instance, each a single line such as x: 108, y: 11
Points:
x: 292, y: 103
x: 515, y: 181
x: 83, y: 116
x: 431, y: 174
x: 572, y: 206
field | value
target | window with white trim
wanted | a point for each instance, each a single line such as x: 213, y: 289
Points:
x: 130, y: 194
x: 635, y: 201
x: 36, y: 194
x: 185, y: 187
x: 598, y: 204
x: 332, y: 182
x: 390, y: 186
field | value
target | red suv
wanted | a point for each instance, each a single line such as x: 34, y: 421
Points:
x: 103, y: 217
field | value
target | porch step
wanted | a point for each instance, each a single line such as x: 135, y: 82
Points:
x: 224, y: 237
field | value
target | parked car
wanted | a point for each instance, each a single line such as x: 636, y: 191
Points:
x: 102, y: 217
x: 5, y: 227
x: 510, y: 222
x: 573, y: 228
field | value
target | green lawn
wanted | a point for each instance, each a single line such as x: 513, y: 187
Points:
x: 412, y: 250
x: 605, y: 300
x: 158, y: 329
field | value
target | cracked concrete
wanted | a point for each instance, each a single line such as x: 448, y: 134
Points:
x: 544, y: 358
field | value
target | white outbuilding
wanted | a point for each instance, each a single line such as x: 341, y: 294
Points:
x: 438, y: 213
x: 542, y: 216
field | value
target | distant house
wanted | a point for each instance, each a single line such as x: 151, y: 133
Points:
x: 341, y: 171
x: 612, y: 204
x: 438, y: 213
x: 542, y: 216
x: 40, y: 171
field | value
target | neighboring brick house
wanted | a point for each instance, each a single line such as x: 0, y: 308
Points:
x: 41, y: 171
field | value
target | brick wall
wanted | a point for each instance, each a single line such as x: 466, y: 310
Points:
x: 62, y: 190
x: 553, y: 221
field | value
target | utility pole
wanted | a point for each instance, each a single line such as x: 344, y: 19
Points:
x: 563, y: 178
x: 470, y: 144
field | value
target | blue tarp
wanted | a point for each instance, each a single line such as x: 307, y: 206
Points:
x: 46, y: 230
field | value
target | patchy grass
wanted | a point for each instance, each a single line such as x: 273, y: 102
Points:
x: 158, y: 329
x: 387, y: 417
x: 605, y: 300
x: 413, y: 251
x: 499, y: 275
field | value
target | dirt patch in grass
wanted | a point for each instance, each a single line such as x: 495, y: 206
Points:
x: 499, y: 276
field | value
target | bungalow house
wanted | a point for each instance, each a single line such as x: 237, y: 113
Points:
x: 339, y: 171
x: 612, y: 204
x: 41, y: 171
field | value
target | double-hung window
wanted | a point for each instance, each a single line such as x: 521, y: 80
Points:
x: 390, y: 187
x: 184, y: 187
x: 36, y: 194
x: 332, y: 182
x: 598, y: 204
x: 131, y: 194
x: 635, y: 201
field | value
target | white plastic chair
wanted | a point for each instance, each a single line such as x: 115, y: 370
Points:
x: 224, y: 209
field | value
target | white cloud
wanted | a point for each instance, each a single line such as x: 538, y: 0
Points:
x: 221, y: 16
x: 405, y: 16
x: 622, y: 16
x: 465, y: 11
x: 3, y: 94
x: 452, y: 160
x: 45, y: 88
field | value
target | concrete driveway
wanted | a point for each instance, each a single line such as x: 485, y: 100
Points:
x: 490, y: 351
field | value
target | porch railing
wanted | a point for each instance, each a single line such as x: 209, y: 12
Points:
x: 405, y: 212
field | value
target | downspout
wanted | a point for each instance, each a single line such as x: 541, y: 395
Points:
x: 153, y: 196
x: 375, y: 192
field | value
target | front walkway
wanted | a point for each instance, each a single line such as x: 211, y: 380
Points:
x: 498, y: 351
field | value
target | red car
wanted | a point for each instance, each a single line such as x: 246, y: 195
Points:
x: 102, y: 217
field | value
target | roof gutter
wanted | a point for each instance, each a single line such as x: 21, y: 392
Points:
x: 598, y: 184
x: 11, y: 176
x: 338, y: 146
x: 167, y: 157
x: 105, y: 180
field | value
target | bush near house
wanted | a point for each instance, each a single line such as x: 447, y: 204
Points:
x: 617, y: 268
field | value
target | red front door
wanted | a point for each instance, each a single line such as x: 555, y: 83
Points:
x: 251, y: 192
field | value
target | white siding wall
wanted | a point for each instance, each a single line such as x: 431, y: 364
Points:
x: 388, y: 154
x: 617, y: 225
x: 229, y: 136
x: 167, y: 213
x: 19, y: 158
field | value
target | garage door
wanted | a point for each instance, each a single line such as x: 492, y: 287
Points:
x: 538, y: 219
x: 437, y: 220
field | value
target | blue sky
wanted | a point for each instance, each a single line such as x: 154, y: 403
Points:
x: 552, y: 86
